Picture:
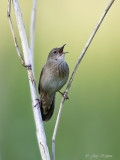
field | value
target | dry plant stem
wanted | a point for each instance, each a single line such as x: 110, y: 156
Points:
x: 28, y: 60
x: 32, y: 31
x: 73, y: 74
x: 13, y: 33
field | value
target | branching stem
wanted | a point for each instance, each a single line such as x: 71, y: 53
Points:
x: 32, y: 30
x: 28, y: 61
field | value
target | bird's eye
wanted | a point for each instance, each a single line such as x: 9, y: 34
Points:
x: 55, y: 52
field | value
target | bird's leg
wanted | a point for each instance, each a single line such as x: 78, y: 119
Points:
x: 64, y: 95
x: 39, y: 101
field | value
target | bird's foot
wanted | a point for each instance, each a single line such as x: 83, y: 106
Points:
x: 39, y: 102
x: 64, y: 95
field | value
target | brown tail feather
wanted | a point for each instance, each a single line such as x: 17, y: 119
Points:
x: 46, y: 117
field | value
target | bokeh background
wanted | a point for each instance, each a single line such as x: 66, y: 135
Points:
x: 90, y: 121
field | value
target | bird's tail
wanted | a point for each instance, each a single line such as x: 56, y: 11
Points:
x: 48, y: 115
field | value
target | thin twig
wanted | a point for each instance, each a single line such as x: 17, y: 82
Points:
x: 28, y: 60
x: 32, y: 31
x: 13, y: 33
x: 73, y: 74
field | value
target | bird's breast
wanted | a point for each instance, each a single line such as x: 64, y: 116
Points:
x: 54, y: 77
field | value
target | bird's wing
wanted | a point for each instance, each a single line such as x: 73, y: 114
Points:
x: 40, y: 80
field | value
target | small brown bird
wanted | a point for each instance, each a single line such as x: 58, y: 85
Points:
x: 53, y: 77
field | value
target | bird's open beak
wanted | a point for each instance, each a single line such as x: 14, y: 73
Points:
x: 61, y: 50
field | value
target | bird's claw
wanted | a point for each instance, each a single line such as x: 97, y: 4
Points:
x: 64, y: 95
x: 39, y: 102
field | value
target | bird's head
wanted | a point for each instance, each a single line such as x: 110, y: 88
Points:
x: 57, y: 54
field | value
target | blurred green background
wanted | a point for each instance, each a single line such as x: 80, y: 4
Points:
x: 90, y: 120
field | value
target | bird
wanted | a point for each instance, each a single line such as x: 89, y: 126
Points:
x: 53, y: 77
